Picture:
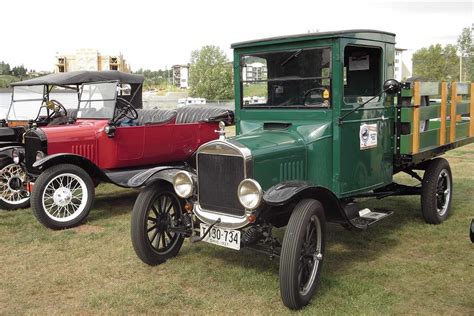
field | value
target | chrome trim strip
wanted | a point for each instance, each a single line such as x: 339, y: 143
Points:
x: 227, y: 221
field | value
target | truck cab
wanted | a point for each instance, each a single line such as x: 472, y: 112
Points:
x: 307, y: 83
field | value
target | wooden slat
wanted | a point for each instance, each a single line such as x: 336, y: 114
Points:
x: 454, y: 100
x: 471, y: 112
x: 444, y: 101
x: 416, y: 118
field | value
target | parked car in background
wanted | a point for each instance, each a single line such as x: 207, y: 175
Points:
x: 45, y: 101
x: 111, y: 140
x: 191, y: 101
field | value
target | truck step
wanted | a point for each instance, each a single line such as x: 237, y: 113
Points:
x: 367, y: 217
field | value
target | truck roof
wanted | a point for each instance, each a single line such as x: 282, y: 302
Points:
x: 374, y: 35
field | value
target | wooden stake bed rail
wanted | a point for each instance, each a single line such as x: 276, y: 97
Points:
x: 428, y: 129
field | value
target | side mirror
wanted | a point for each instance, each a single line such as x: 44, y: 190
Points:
x: 391, y: 86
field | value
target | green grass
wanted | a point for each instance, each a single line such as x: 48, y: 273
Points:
x: 399, y: 266
x: 256, y: 90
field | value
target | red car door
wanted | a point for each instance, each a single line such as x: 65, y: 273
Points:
x: 130, y: 143
x: 158, y: 139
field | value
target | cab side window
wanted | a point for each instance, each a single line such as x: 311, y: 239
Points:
x: 362, y: 73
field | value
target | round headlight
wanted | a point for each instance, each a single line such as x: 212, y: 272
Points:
x: 39, y: 155
x: 16, y: 156
x: 250, y: 194
x: 183, y: 184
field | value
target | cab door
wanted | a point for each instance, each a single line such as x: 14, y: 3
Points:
x: 365, y: 136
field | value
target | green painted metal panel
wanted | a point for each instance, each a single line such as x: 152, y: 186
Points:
x: 406, y: 143
x: 364, y: 169
x: 406, y: 92
x: 462, y: 130
x: 462, y: 108
x: 430, y: 112
x: 429, y: 139
x: 378, y: 36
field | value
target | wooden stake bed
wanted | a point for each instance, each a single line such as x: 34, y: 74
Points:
x: 450, y: 121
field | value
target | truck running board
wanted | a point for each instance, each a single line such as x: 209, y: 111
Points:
x: 367, y: 217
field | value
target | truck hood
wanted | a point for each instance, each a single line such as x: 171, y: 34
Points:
x: 279, y: 150
x: 277, y: 155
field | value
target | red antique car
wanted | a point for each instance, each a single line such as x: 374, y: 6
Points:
x: 110, y: 141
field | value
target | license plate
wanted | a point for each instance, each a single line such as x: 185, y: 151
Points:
x: 228, y: 238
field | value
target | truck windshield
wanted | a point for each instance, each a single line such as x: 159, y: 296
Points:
x: 295, y: 78
x: 97, y: 100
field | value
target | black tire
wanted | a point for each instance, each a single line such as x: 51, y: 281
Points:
x: 436, y: 191
x: 51, y: 184
x: 304, y: 220
x: 13, y: 193
x: 471, y: 232
x: 156, y: 208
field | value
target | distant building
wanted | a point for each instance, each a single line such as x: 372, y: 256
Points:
x: 90, y: 59
x: 181, y: 76
x: 403, y: 64
x: 254, y: 71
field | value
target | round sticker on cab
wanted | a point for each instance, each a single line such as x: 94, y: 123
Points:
x: 326, y: 94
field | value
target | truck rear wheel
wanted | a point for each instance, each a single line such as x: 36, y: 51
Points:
x: 13, y: 193
x: 302, y: 254
x: 436, y: 191
x: 62, y: 196
x: 155, y: 211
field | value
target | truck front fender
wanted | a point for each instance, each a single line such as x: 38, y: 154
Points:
x: 290, y: 191
x: 165, y: 173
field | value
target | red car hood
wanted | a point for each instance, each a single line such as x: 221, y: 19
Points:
x: 62, y: 138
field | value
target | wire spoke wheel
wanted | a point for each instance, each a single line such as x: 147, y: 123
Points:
x: 64, y: 197
x: 161, y: 216
x: 12, y: 185
x: 156, y: 212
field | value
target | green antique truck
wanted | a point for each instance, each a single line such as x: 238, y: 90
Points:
x: 320, y: 124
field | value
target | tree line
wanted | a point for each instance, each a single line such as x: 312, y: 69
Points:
x: 10, y: 74
x: 452, y: 62
x: 210, y: 75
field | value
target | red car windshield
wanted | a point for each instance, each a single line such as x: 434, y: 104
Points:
x: 97, y: 100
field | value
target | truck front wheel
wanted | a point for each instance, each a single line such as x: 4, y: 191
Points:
x: 302, y: 254
x: 156, y: 211
x: 62, y: 196
x: 436, y: 191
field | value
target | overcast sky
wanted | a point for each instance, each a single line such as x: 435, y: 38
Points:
x: 155, y: 34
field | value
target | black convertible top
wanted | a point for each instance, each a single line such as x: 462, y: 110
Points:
x: 80, y: 77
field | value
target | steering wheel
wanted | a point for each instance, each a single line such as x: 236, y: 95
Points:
x: 125, y: 109
x: 322, y: 89
x: 56, y: 108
